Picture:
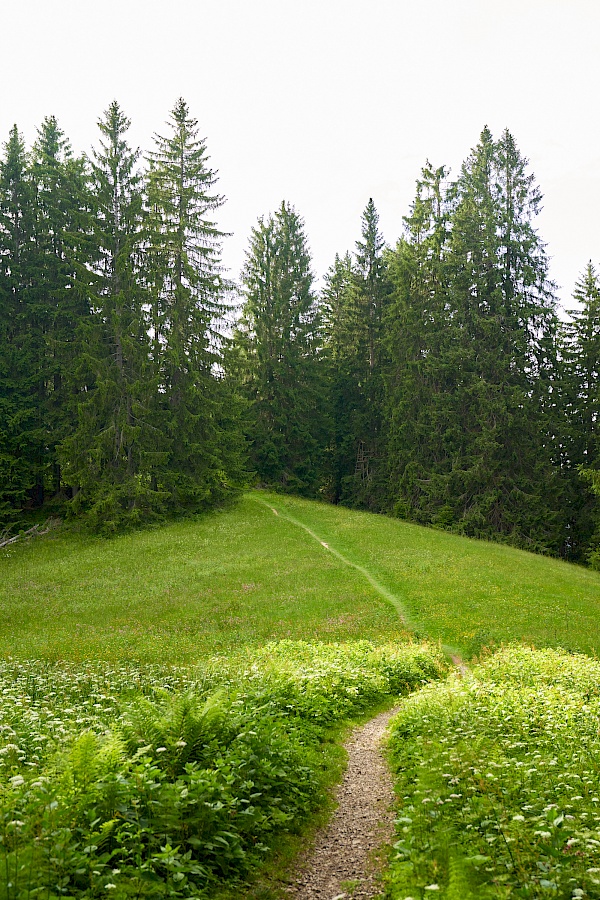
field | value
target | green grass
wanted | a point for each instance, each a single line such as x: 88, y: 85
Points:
x: 463, y: 592
x: 179, y: 593
x: 187, y: 607
x: 241, y: 577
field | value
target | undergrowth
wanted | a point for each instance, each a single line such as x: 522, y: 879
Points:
x: 127, y: 782
x: 499, y: 782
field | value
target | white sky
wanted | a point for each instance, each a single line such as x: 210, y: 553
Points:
x: 328, y: 102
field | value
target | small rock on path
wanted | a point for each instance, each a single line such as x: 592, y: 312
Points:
x: 342, y: 863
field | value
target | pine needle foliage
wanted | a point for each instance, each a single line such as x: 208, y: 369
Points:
x: 354, y: 300
x: 22, y: 433
x: 110, y: 457
x: 281, y: 367
x: 187, y: 293
x: 472, y: 356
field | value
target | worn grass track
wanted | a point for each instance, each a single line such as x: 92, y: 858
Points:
x: 465, y: 593
x: 176, y: 594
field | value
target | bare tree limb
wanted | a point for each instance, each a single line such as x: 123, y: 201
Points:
x: 34, y: 531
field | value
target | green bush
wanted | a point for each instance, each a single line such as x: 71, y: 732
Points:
x: 499, y: 782
x: 124, y: 782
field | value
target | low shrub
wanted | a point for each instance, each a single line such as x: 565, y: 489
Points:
x: 499, y: 782
x: 125, y: 782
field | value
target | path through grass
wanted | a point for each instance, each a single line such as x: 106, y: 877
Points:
x: 463, y: 592
x: 182, y: 592
x: 245, y: 576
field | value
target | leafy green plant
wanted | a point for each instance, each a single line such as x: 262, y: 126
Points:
x: 121, y: 781
x: 498, y: 781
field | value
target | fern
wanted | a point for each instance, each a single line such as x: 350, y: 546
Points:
x: 90, y: 759
x: 179, y: 730
x: 458, y: 882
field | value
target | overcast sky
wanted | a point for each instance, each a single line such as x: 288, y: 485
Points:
x: 328, y: 102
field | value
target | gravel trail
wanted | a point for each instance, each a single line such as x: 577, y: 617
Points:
x: 343, y: 862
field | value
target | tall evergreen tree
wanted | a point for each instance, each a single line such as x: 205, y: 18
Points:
x: 22, y: 434
x: 491, y: 421
x: 419, y: 378
x: 503, y: 479
x: 108, y: 460
x: 373, y: 295
x: 355, y: 348
x: 58, y: 305
x: 340, y: 307
x: 580, y: 394
x: 279, y: 342
x: 187, y: 294
x: 583, y: 342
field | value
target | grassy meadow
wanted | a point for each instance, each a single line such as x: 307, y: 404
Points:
x: 459, y: 591
x: 172, y: 702
x: 181, y: 592
x: 244, y: 576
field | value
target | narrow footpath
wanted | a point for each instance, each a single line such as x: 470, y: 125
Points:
x: 347, y: 858
x: 381, y: 590
x: 344, y: 861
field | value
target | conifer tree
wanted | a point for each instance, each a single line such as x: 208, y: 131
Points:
x: 56, y: 301
x: 488, y: 464
x: 580, y: 394
x: 187, y: 294
x: 583, y: 337
x: 108, y: 460
x: 503, y: 480
x: 419, y: 378
x: 22, y: 434
x: 354, y: 328
x: 279, y: 340
x: 371, y: 282
x: 373, y: 295
x: 340, y: 307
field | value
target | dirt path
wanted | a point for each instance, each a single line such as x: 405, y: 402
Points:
x: 343, y: 861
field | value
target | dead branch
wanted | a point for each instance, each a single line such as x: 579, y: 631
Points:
x: 34, y: 531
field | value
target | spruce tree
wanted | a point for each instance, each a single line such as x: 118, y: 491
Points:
x: 503, y: 479
x: 22, y: 433
x: 420, y: 375
x: 583, y: 337
x: 56, y: 301
x: 109, y: 458
x: 339, y: 305
x: 193, y: 410
x: 372, y: 290
x: 279, y: 341
x: 581, y: 402
x: 354, y: 323
x: 486, y: 342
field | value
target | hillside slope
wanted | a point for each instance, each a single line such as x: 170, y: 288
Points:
x: 461, y: 591
x: 245, y: 576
